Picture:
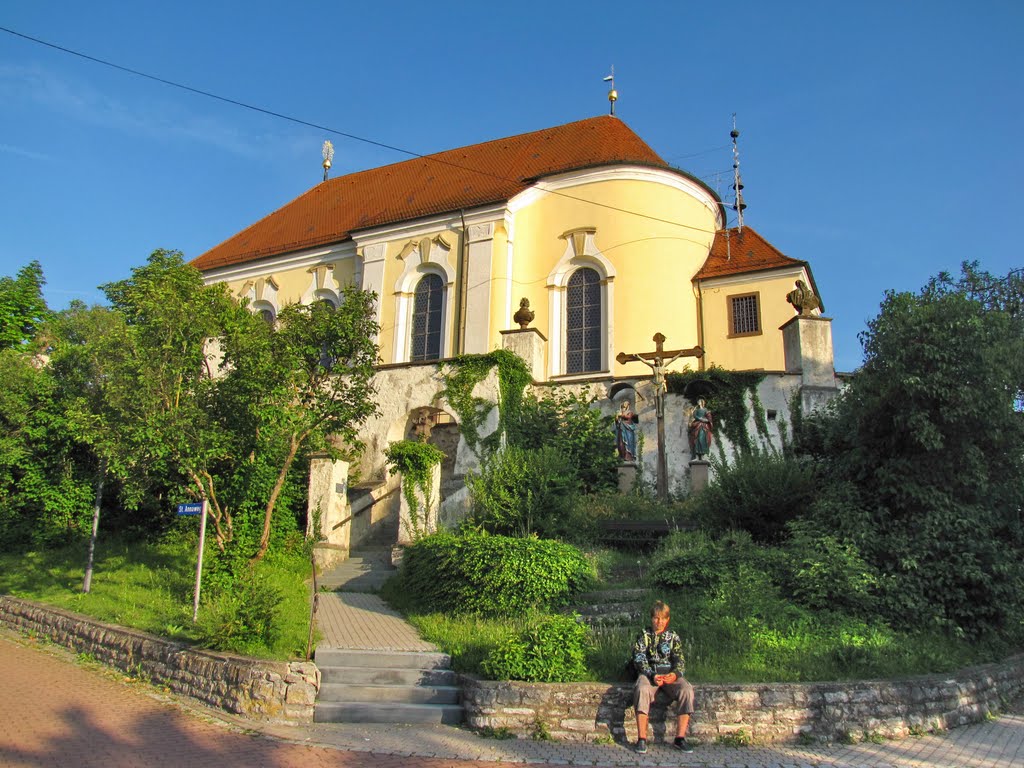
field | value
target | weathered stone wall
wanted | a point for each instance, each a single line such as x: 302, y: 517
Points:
x: 765, y: 712
x: 262, y: 690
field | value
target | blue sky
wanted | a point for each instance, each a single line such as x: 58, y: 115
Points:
x: 881, y: 141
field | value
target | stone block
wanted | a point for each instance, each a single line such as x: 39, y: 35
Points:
x: 301, y: 693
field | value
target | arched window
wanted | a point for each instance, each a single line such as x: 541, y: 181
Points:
x: 583, y: 322
x: 428, y: 305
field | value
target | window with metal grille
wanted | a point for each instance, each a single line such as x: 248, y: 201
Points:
x: 583, y: 322
x: 744, y: 317
x: 426, y: 319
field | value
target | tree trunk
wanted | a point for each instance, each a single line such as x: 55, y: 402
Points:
x: 272, y: 501
x: 101, y: 474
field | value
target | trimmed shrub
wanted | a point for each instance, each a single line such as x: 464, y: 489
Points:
x: 552, y: 649
x: 475, y: 572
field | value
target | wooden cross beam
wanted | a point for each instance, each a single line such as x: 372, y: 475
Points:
x: 657, y: 362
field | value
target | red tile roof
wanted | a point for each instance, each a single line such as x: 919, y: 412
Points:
x: 448, y: 181
x: 735, y: 253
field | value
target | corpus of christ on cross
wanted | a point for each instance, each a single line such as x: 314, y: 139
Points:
x: 658, y: 360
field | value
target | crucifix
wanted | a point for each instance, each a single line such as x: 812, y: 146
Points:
x: 657, y: 361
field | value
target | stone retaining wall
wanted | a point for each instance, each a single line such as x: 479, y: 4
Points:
x: 276, y: 691
x: 763, y: 713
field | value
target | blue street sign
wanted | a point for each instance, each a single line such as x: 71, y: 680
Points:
x: 188, y: 510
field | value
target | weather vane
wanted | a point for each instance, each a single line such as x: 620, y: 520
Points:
x: 328, y: 153
x: 613, y: 95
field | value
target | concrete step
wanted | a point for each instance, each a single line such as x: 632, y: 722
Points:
x: 381, y: 712
x: 366, y: 583
x: 344, y: 657
x: 386, y: 676
x: 613, y: 595
x: 394, y: 694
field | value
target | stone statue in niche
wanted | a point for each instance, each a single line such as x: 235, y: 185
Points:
x: 803, y: 299
x: 701, y: 426
x: 524, y: 315
x: 625, y: 432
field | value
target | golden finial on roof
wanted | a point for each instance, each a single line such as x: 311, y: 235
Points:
x: 613, y: 95
x: 328, y: 153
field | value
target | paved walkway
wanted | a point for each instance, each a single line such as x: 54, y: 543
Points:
x: 54, y: 712
x: 365, y: 622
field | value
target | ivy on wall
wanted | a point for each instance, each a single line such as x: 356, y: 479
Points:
x: 732, y: 398
x: 461, y: 375
x: 415, y: 460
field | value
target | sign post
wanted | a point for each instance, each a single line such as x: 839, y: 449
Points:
x: 190, y: 510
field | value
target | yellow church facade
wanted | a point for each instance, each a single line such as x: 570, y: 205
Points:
x: 570, y: 245
x: 606, y: 241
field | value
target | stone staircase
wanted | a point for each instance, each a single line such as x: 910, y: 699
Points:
x: 386, y: 687
x: 613, y: 607
x: 365, y: 570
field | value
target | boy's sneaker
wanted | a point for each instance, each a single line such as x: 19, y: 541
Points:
x: 682, y: 744
x: 641, y: 746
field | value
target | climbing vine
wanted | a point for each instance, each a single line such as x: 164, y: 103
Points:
x: 461, y: 375
x: 728, y: 398
x: 415, y: 460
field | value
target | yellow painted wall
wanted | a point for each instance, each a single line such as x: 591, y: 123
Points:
x: 764, y: 351
x: 654, y: 260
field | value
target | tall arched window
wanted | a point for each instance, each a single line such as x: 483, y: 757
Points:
x: 583, y: 322
x: 426, y: 319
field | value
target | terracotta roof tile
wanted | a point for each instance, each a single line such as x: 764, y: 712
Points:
x: 448, y: 181
x: 734, y: 252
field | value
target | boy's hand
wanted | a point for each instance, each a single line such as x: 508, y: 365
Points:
x: 668, y: 679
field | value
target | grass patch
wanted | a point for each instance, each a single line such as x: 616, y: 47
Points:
x: 149, y: 586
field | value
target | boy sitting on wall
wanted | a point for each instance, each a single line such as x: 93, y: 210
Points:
x: 659, y: 665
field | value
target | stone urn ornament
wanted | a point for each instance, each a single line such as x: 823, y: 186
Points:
x: 524, y: 315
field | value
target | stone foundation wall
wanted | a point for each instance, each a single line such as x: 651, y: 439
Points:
x: 275, y: 691
x: 765, y: 713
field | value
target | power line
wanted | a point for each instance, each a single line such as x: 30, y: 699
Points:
x: 334, y: 131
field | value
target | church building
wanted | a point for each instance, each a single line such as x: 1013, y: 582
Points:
x: 570, y: 245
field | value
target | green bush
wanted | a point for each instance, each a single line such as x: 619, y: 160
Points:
x: 243, y: 618
x: 475, y: 572
x: 824, y: 573
x: 759, y: 494
x: 552, y: 649
x: 520, y: 491
x: 571, y: 425
x: 698, y: 563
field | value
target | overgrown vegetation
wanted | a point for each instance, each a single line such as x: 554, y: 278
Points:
x: 148, y: 585
x: 558, y: 450
x: 415, y: 460
x: 177, y: 392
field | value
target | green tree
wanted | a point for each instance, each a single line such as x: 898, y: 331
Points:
x: 22, y: 308
x: 925, y: 452
x: 302, y: 384
x: 204, y: 388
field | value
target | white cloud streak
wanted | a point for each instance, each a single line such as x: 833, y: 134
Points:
x: 162, y: 120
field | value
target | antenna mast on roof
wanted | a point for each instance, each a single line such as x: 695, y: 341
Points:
x: 613, y: 95
x: 328, y: 153
x: 737, y: 184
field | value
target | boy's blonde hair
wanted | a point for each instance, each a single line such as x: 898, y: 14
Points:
x: 660, y: 609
